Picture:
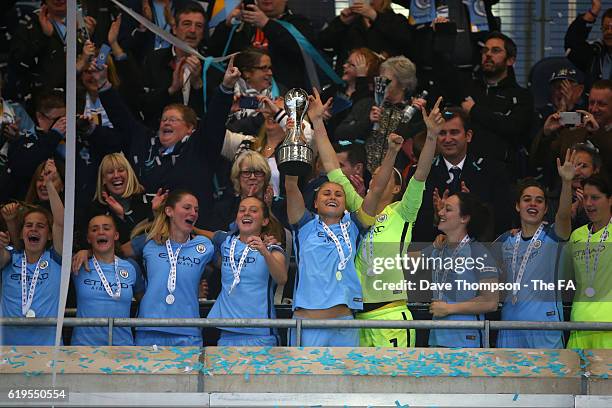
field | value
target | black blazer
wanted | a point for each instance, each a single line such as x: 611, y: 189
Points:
x: 486, y: 178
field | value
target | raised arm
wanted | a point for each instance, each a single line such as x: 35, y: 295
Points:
x: 327, y: 153
x: 380, y: 181
x: 295, y: 200
x: 9, y: 213
x: 563, y: 218
x: 57, y: 207
x: 434, y: 122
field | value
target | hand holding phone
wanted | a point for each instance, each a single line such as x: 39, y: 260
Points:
x: 105, y: 50
x: 248, y: 102
x: 570, y: 118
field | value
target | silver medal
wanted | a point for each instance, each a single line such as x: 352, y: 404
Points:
x: 170, y: 299
x: 514, y: 299
x: 30, y: 314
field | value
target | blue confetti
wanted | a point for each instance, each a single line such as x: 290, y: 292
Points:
x: 515, y: 397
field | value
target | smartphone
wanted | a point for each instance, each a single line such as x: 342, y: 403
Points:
x: 570, y: 118
x: 248, y: 102
x: 105, y: 50
x: 245, y: 3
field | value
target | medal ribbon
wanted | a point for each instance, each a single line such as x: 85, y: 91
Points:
x: 344, y: 228
x: 172, y: 258
x: 27, y: 296
x: 236, y: 269
x: 518, y: 277
x: 105, y: 283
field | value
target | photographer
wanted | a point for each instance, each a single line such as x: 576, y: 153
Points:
x: 595, y: 125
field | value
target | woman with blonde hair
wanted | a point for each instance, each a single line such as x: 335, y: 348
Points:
x: 174, y: 263
x: 251, y: 177
x: 120, y: 195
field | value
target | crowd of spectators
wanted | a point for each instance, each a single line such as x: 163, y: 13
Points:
x: 181, y: 192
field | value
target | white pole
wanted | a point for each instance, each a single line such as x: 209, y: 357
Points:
x: 71, y: 54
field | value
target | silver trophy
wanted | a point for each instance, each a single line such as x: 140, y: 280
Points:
x: 294, y: 154
x: 380, y: 92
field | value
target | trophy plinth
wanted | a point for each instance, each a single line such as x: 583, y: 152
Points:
x: 294, y: 156
x: 295, y: 159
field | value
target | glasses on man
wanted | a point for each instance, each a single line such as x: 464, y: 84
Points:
x: 493, y: 50
x: 252, y: 173
x: 263, y: 67
x: 171, y: 120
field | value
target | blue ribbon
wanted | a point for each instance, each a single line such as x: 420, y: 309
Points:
x: 229, y: 39
x: 311, y: 51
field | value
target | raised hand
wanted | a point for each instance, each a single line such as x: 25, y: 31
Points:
x: 60, y: 125
x: 359, y: 184
x: 49, y: 171
x: 177, y: 77
x: 365, y: 10
x: 588, y: 121
x: 361, y: 65
x: 194, y: 65
x: 434, y: 120
x: 316, y: 108
x: 90, y: 24
x: 395, y: 142
x: 347, y: 16
x: 159, y: 199
x: 231, y: 76
x: 552, y: 124
x: 44, y: 21
x: 114, y: 205
x: 113, y: 32
x: 253, y: 15
x: 10, y: 211
x: 438, y: 202
x: 567, y: 170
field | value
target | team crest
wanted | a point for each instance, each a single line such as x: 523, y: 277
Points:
x: 44, y: 264
x: 123, y: 273
x: 201, y: 248
x: 537, y: 244
x: 381, y: 218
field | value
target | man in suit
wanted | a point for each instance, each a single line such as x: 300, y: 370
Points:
x: 455, y: 169
x: 173, y: 76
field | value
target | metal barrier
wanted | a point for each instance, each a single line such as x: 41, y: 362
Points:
x: 299, y: 325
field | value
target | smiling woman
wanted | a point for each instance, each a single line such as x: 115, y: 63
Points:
x: 31, y: 278
x: 174, y: 264
x: 120, y: 195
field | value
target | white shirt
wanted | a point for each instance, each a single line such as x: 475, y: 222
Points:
x: 449, y: 165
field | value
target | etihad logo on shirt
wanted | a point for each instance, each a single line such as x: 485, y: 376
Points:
x: 182, y: 259
x: 93, y: 283
x: 248, y: 260
x: 41, y: 277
